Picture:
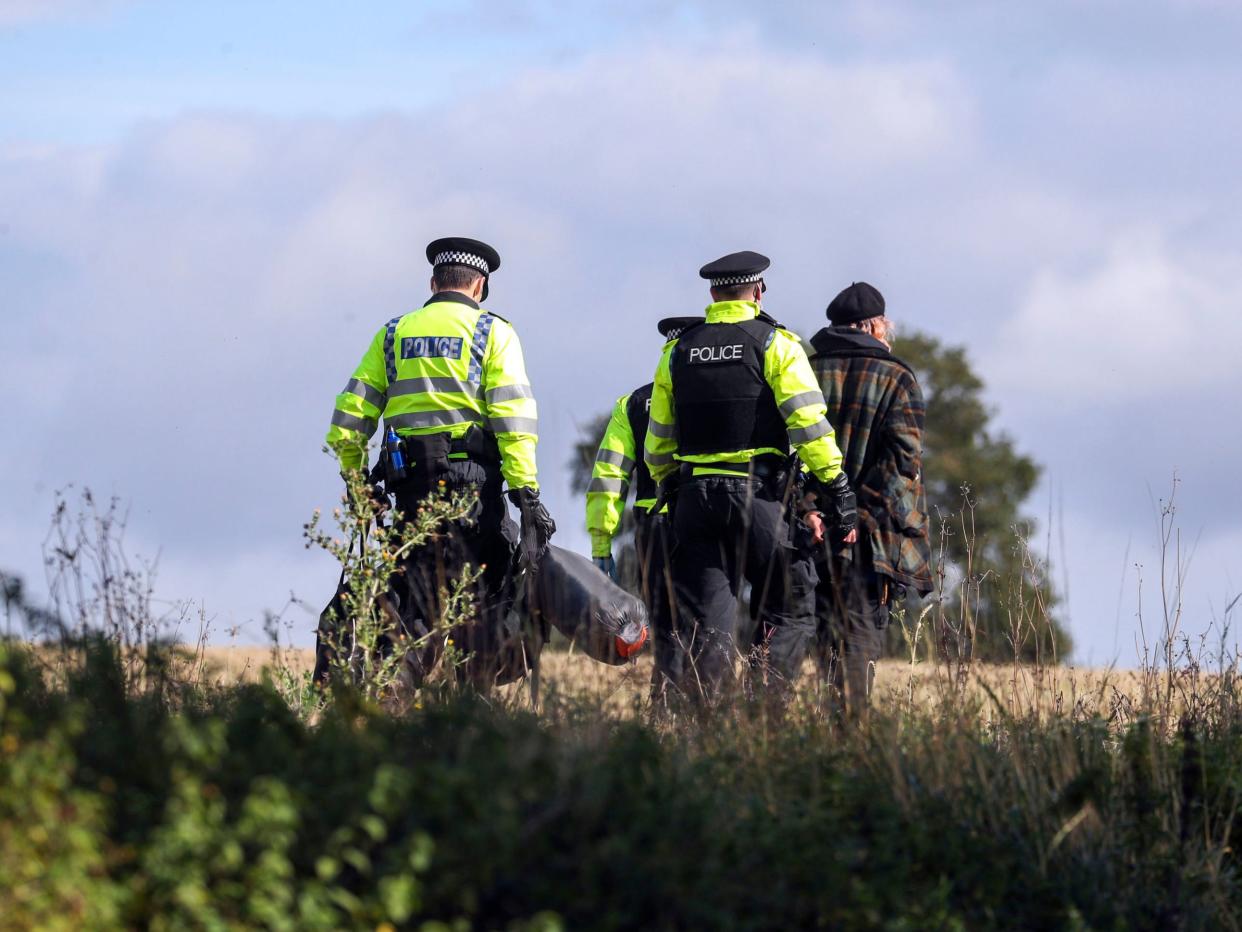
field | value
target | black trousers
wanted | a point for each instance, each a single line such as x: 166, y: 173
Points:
x: 730, y: 530
x: 653, y: 545
x: 485, y: 540
x: 852, y: 613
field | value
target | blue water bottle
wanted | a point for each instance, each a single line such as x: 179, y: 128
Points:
x: 396, y: 459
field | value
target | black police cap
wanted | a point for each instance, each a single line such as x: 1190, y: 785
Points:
x: 859, y: 301
x: 461, y: 250
x: 671, y: 327
x: 737, y: 268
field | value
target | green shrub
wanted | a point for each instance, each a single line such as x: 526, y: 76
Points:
x: 53, y: 869
x: 229, y: 812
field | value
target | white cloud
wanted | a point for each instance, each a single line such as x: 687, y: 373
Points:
x: 733, y: 118
x: 1140, y: 322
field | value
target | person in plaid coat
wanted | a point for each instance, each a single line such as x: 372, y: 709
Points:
x: 875, y: 404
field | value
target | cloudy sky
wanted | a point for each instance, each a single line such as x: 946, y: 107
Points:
x: 207, y: 209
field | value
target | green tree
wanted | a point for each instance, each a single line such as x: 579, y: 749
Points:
x: 583, y: 457
x: 998, y: 600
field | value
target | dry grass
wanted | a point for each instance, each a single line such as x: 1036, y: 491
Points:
x: 246, y: 664
x: 998, y: 690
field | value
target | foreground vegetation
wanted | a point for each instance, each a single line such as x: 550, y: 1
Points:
x: 140, y: 788
x: 216, y: 806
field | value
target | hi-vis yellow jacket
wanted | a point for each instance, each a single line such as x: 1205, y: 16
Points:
x: 798, y: 395
x: 619, y: 455
x: 444, y: 367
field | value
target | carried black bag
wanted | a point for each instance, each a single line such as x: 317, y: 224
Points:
x: 568, y: 593
x: 602, y: 620
x: 329, y: 619
x: 326, y: 637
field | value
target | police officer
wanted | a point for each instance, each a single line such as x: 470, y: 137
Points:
x: 876, y: 404
x: 449, y: 379
x: 731, y: 396
x: 618, y: 461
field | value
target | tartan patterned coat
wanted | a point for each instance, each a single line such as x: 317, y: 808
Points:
x: 876, y: 407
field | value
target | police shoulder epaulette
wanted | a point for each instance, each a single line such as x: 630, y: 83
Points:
x: 498, y: 317
x: 767, y: 318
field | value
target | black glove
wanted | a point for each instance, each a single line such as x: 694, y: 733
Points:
x: 666, y: 494
x: 840, y: 507
x: 537, y: 525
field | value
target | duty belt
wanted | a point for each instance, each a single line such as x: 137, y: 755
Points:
x: 427, y: 456
x: 477, y: 445
x: 763, y: 466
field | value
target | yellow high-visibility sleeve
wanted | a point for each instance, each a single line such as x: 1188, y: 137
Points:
x: 660, y: 447
x: 610, y: 480
x: 358, y: 408
x: 801, y: 403
x: 510, y: 407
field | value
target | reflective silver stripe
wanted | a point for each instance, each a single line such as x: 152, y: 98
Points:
x: 613, y: 458
x: 608, y: 485
x: 362, y: 425
x: 364, y: 391
x: 423, y: 385
x: 659, y: 459
x: 662, y: 430
x: 514, y: 425
x: 805, y: 434
x: 434, y: 418
x: 508, y: 393
x: 790, y: 405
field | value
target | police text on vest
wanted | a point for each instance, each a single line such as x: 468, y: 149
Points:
x: 716, y: 353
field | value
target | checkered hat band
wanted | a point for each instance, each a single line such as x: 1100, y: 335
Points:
x: 737, y: 279
x: 462, y: 258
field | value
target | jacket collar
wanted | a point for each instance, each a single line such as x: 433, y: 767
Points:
x: 731, y: 312
x: 455, y: 296
x: 846, y: 340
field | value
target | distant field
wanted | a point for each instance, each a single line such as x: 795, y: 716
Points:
x: 1016, y: 689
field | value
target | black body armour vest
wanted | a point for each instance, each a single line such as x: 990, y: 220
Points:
x: 638, y: 410
x: 722, y: 400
